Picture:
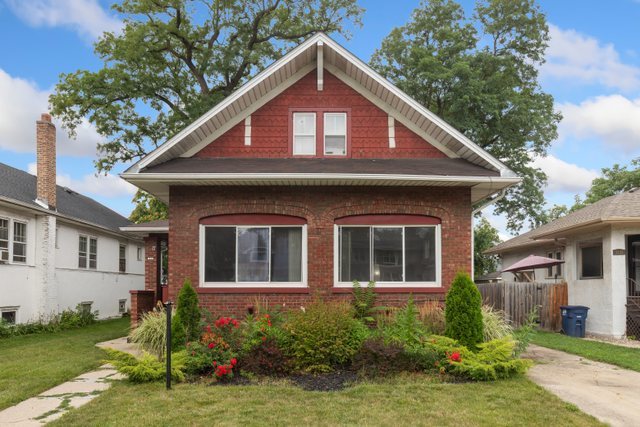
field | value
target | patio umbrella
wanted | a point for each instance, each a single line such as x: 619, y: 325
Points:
x: 532, y: 262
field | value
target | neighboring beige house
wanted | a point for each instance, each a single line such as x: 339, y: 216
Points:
x: 601, y: 248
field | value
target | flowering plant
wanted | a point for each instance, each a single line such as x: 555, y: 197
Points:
x: 215, y: 353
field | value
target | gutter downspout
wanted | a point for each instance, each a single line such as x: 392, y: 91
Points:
x: 489, y: 202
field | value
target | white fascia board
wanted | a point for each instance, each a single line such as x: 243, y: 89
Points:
x: 264, y: 74
x: 145, y: 229
x: 194, y: 177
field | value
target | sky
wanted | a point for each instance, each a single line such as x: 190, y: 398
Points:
x: 592, y: 70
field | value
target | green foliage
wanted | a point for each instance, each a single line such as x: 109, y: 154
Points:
x: 525, y: 333
x: 431, y: 313
x: 480, y: 74
x: 485, y: 236
x: 67, y: 319
x: 188, y: 311
x: 406, y: 327
x: 463, y: 312
x: 175, y: 60
x: 178, y: 336
x: 364, y: 300
x: 151, y: 333
x: 148, y: 208
x: 324, y: 335
x: 147, y: 368
x: 494, y: 324
x: 493, y: 361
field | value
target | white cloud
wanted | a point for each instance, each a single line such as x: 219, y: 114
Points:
x: 86, y: 17
x: 109, y: 185
x: 21, y: 104
x: 564, y: 176
x: 583, y: 59
x: 614, y: 119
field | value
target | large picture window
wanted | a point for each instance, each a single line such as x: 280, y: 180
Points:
x: 388, y: 254
x: 260, y: 255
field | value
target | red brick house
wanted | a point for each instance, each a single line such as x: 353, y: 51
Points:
x: 315, y: 173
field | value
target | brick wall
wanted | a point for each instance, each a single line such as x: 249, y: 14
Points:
x: 320, y: 206
x: 369, y: 134
x: 141, y: 302
x: 46, y: 159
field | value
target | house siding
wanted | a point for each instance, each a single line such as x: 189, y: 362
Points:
x: 320, y: 206
x: 368, y: 136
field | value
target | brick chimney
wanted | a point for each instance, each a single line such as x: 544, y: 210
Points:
x: 46, y: 157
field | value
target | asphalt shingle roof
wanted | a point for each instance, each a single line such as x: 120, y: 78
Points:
x: 21, y: 186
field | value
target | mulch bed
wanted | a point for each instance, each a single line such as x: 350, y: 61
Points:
x: 330, y: 381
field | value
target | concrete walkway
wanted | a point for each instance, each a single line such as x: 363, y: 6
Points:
x: 53, y: 403
x: 607, y: 392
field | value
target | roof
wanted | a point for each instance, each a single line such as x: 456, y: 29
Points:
x: 434, y: 167
x: 20, y: 186
x: 157, y: 226
x: 321, y: 49
x: 620, y: 208
x: 532, y: 262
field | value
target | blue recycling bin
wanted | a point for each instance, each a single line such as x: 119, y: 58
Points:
x: 574, y: 320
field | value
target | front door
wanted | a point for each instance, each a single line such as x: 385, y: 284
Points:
x: 633, y: 286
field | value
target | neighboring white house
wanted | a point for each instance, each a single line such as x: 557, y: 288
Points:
x: 59, y: 248
x: 601, y: 248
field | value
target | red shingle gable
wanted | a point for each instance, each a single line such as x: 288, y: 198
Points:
x: 369, y: 136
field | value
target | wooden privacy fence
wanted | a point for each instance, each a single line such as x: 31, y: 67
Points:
x: 518, y: 299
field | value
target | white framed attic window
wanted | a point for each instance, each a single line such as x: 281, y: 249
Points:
x: 304, y: 134
x: 335, y: 134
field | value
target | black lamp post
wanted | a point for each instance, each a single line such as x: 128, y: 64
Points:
x: 168, y: 306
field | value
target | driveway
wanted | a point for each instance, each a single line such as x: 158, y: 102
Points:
x: 607, y: 392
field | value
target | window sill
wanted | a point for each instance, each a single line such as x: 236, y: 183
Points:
x: 252, y: 290
x: 395, y: 290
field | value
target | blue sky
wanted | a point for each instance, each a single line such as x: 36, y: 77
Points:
x: 592, y: 70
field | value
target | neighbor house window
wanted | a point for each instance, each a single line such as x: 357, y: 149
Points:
x: 87, y: 252
x: 388, y: 254
x: 139, y: 253
x: 335, y: 134
x: 304, y: 134
x: 590, y: 264
x: 122, y: 306
x: 19, y: 242
x: 122, y: 257
x: 253, y: 255
x: 9, y: 315
x: 4, y: 239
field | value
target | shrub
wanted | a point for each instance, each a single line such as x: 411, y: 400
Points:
x: 147, y: 368
x: 405, y: 328
x: 363, y: 301
x: 431, y: 313
x: 151, y: 333
x: 494, y: 324
x: 463, y: 315
x: 189, y: 311
x: 378, y: 357
x: 524, y: 333
x: 266, y: 358
x: 324, y: 335
x: 216, y: 351
x: 77, y: 318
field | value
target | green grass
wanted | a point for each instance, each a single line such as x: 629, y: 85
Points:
x: 624, y: 357
x: 408, y: 400
x: 31, y: 364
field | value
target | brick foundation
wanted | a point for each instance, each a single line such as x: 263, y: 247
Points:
x: 141, y: 302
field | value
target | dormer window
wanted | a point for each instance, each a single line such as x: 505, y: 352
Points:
x: 319, y: 132
x: 335, y: 134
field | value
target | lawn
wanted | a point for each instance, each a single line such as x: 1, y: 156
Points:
x: 624, y: 357
x: 407, y: 400
x: 31, y: 364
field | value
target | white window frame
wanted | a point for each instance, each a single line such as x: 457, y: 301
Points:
x: 404, y: 284
x: 9, y: 245
x: 120, y: 246
x: 314, y: 135
x: 88, y: 252
x: 9, y: 309
x: 13, y: 240
x: 140, y: 253
x: 324, y: 131
x: 267, y: 285
x: 590, y: 244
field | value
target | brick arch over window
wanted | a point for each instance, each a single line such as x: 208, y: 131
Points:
x: 252, y: 219
x: 249, y: 208
x: 388, y: 219
x: 442, y: 214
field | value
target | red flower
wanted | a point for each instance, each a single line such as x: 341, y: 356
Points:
x: 211, y: 345
x: 455, y: 357
x: 234, y: 361
x: 264, y: 338
x: 215, y: 363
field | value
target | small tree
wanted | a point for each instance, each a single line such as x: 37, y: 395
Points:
x: 463, y: 312
x: 188, y: 311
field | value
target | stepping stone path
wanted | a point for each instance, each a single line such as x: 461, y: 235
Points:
x: 53, y: 403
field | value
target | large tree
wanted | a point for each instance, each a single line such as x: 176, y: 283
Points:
x: 481, y: 75
x: 485, y: 236
x: 175, y: 59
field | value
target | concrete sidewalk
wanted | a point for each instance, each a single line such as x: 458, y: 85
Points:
x: 607, y: 392
x: 53, y: 403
